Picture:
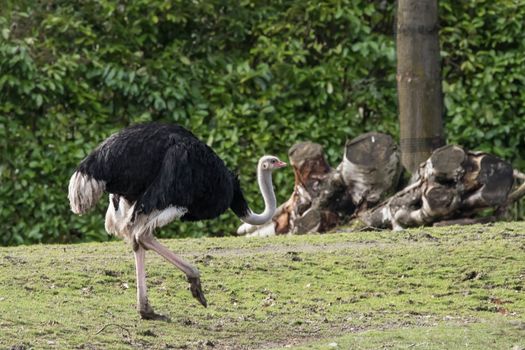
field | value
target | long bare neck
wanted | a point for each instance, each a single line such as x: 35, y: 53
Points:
x: 264, y: 178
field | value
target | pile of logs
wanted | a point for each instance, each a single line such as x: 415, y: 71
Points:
x: 452, y: 187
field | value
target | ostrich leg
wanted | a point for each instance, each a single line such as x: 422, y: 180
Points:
x: 143, y: 307
x: 149, y: 242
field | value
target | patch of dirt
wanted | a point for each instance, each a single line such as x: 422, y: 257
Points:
x: 294, y: 250
x: 471, y: 275
x: 15, y: 260
x: 422, y: 236
x: 343, y: 327
x: 20, y: 347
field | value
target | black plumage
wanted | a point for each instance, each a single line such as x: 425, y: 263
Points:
x: 156, y: 173
x: 161, y: 165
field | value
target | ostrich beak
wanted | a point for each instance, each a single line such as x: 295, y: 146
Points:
x: 280, y: 164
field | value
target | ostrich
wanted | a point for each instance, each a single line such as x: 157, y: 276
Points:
x: 156, y: 173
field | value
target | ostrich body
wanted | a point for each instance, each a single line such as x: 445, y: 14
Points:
x: 156, y: 173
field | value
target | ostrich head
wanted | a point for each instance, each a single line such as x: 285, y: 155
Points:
x: 267, y: 164
x: 270, y: 163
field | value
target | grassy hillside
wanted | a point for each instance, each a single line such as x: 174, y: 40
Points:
x: 446, y: 288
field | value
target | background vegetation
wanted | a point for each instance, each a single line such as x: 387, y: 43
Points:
x: 248, y: 77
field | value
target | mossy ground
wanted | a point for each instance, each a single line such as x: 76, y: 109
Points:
x: 431, y: 288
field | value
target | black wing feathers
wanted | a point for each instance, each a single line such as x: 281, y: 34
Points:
x: 129, y: 160
x: 162, y: 165
x: 173, y: 185
x: 238, y: 204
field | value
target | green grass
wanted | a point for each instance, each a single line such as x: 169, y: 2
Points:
x: 431, y: 288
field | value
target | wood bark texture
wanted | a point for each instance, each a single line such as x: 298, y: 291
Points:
x: 418, y: 81
x: 452, y: 186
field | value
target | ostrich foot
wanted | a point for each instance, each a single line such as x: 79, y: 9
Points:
x: 152, y: 315
x: 146, y: 313
x: 196, y: 290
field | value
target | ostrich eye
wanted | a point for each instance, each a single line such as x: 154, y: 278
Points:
x: 273, y: 161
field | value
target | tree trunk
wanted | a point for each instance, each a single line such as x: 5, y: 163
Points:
x: 418, y: 81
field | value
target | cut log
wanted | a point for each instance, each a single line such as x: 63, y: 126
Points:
x: 440, y: 201
x: 437, y: 201
x: 516, y: 195
x: 309, y: 165
x: 491, y: 177
x: 395, y: 208
x: 332, y: 206
x: 518, y: 175
x: 314, y: 180
x: 371, y: 166
x: 446, y: 164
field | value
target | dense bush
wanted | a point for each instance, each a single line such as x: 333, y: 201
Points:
x: 484, y: 75
x: 248, y: 77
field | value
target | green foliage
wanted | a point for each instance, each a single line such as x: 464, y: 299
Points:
x: 484, y: 75
x: 248, y: 77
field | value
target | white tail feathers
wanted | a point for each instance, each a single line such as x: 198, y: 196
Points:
x: 84, y: 192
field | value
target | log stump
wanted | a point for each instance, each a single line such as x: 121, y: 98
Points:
x: 370, y: 166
